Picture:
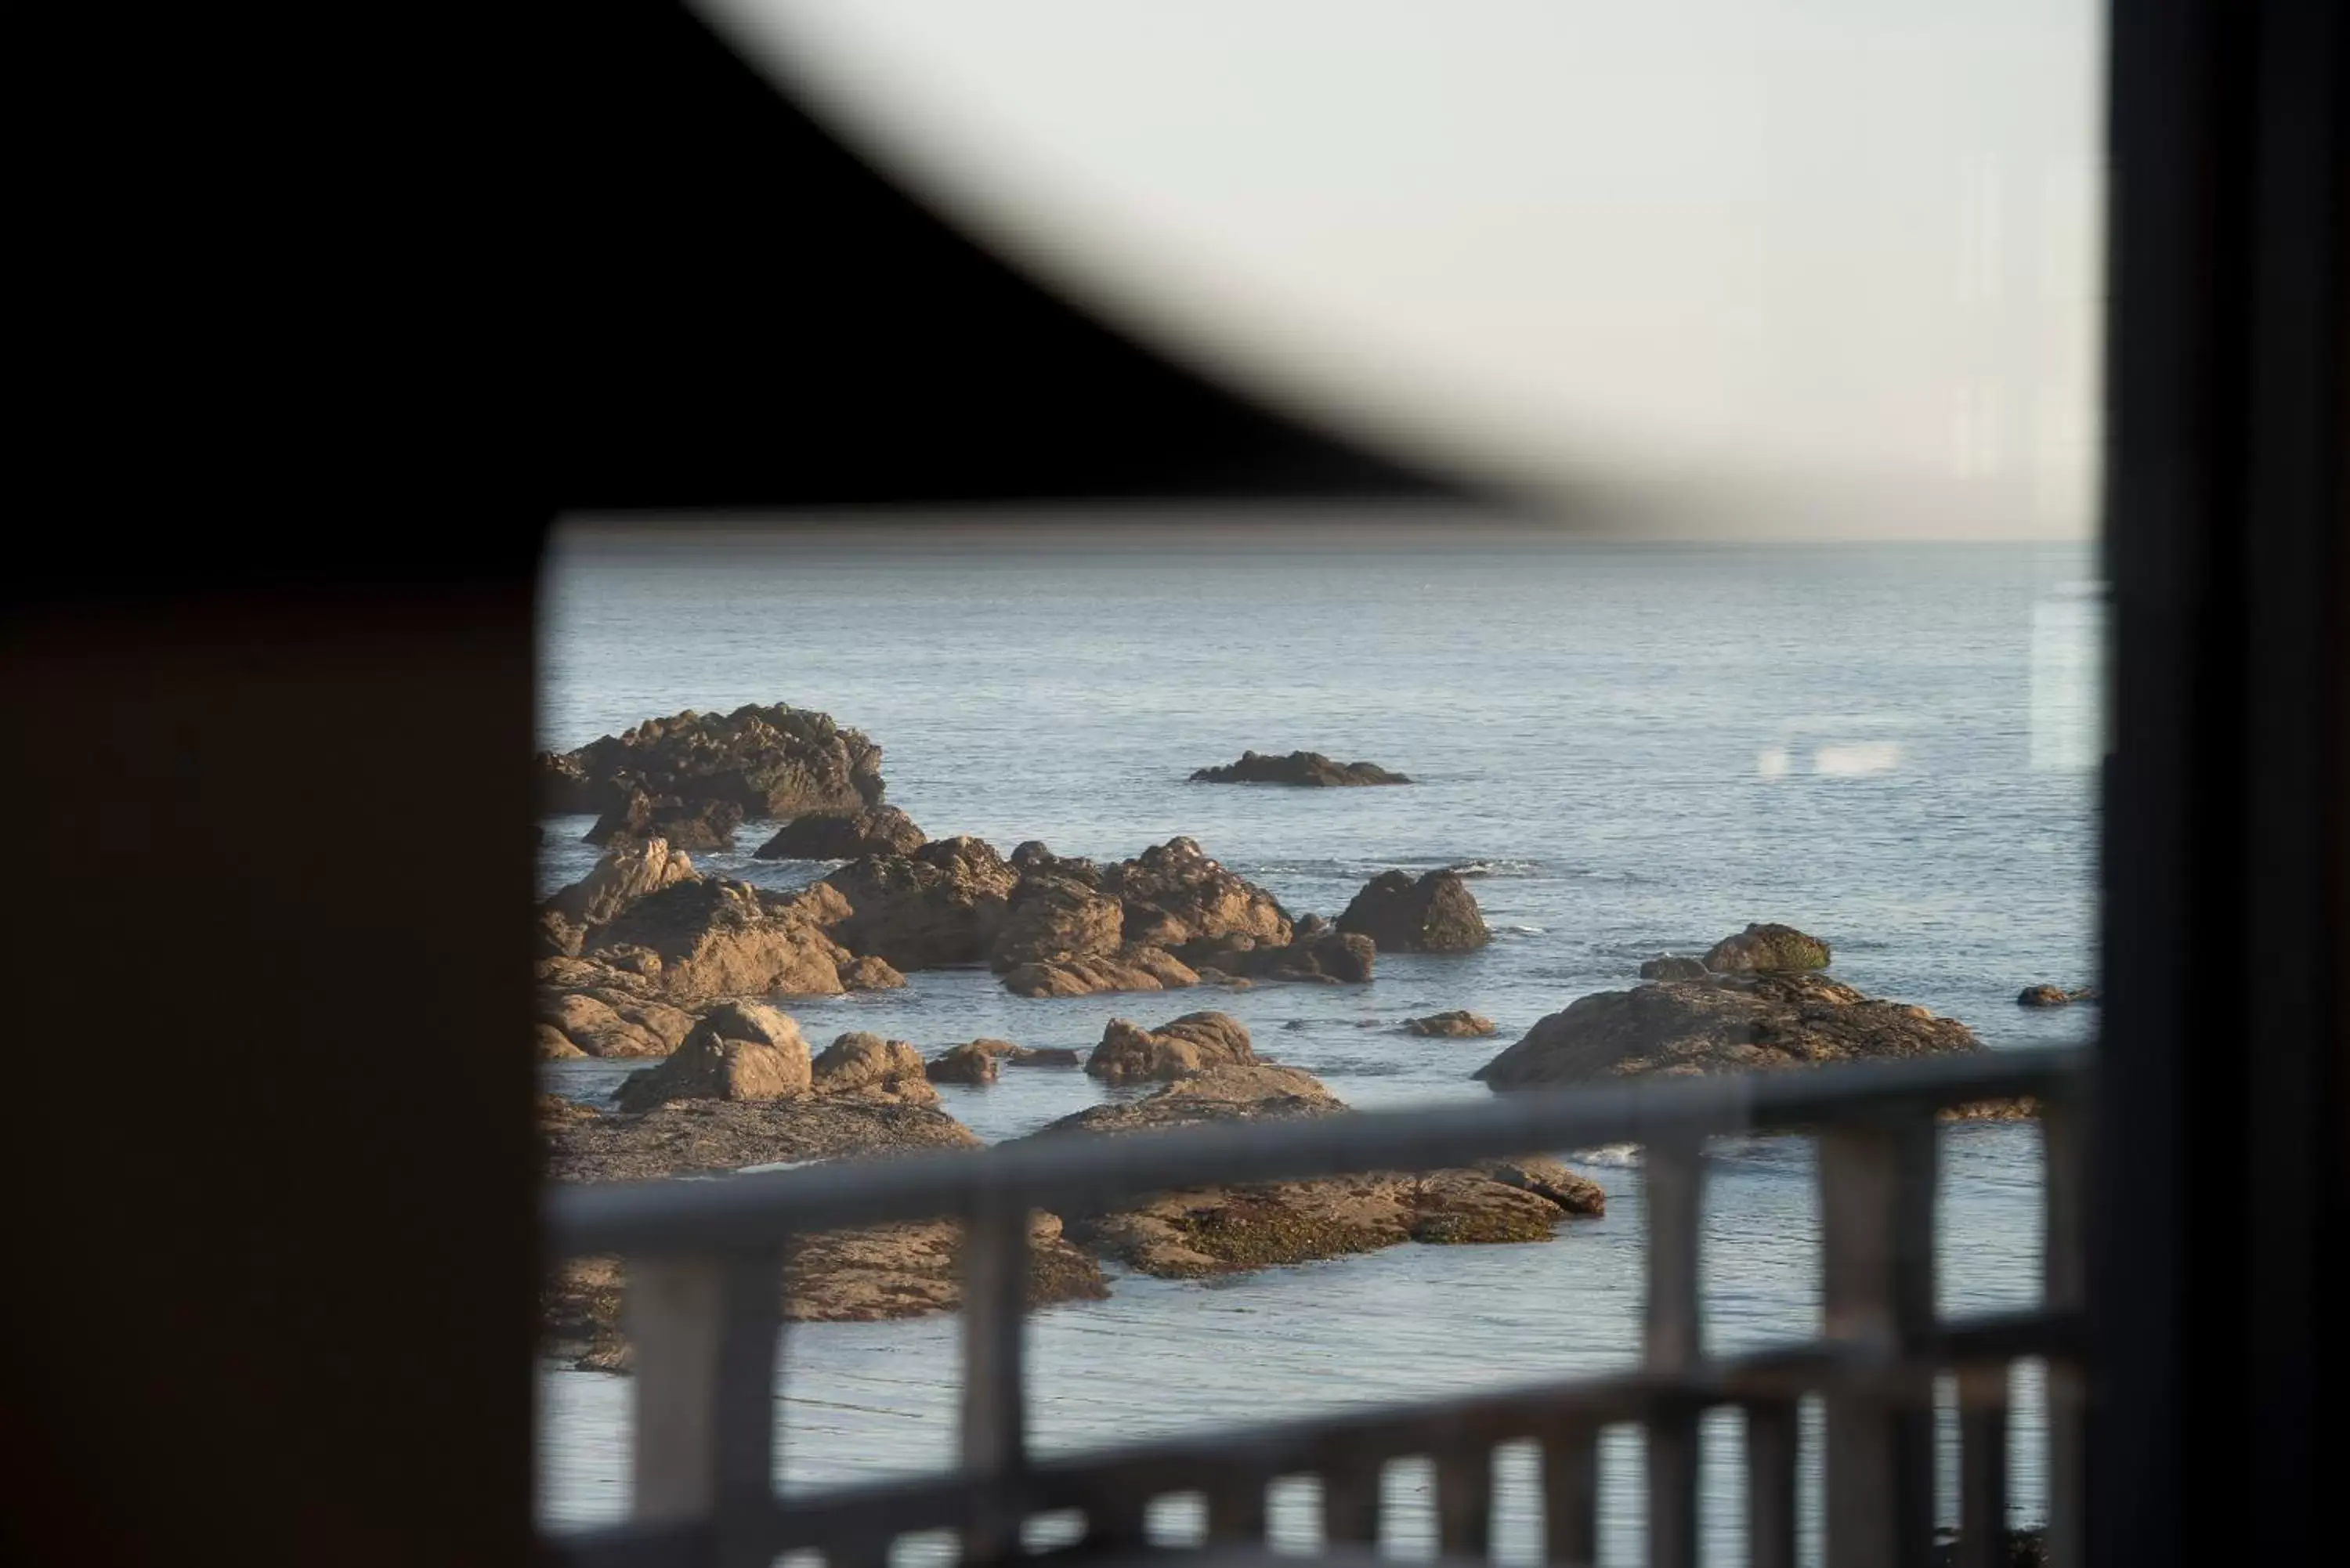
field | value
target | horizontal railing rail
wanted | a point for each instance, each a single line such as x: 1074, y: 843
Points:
x: 706, y: 1262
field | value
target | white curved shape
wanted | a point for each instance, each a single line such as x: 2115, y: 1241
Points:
x: 1790, y: 267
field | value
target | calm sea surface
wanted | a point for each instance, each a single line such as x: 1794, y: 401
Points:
x: 1641, y: 748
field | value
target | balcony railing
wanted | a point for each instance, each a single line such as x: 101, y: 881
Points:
x: 704, y: 1304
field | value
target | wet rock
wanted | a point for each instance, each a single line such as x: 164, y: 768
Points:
x: 1669, y: 966
x: 686, y: 825
x: 625, y: 874
x: 1326, y: 956
x: 1308, y: 768
x: 1011, y: 1055
x: 553, y: 1045
x: 1030, y: 853
x: 607, y: 1022
x: 969, y: 1063
x: 1212, y: 1230
x: 709, y: 939
x: 1763, y: 1023
x: 772, y: 762
x: 1436, y: 914
x: 873, y: 1068
x: 1190, y: 1044
x: 942, y: 904
x: 870, y: 973
x: 1133, y: 968
x: 739, y: 1050
x: 1454, y: 1025
x: 1760, y: 948
x: 843, y: 835
x: 2054, y: 996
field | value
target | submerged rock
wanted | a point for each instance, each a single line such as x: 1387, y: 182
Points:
x: 2054, y: 996
x: 1190, y: 1044
x: 1436, y: 914
x: 1670, y: 966
x: 843, y: 835
x: 870, y: 973
x: 686, y: 824
x: 1455, y: 1025
x: 1760, y: 948
x: 1763, y: 1023
x: 1308, y: 768
x: 1323, y: 955
x: 971, y: 1063
x: 1210, y: 1230
x: 771, y: 762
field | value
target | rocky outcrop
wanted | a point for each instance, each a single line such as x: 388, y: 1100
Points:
x: 942, y: 904
x: 1133, y: 968
x: 1011, y: 1055
x: 1454, y: 1025
x: 1057, y: 913
x: 623, y: 875
x: 1212, y: 1230
x: 2054, y: 996
x: 1308, y: 768
x: 1763, y: 1023
x: 843, y: 835
x: 686, y: 825
x: 771, y: 762
x: 606, y: 1022
x: 1436, y: 914
x: 699, y: 941
x: 971, y: 1063
x: 690, y: 1136
x: 1190, y: 1044
x: 553, y: 1045
x: 1766, y: 948
x: 1173, y: 893
x: 872, y: 1068
x: 739, y: 1050
x: 870, y: 973
x: 1670, y: 966
x: 1327, y: 955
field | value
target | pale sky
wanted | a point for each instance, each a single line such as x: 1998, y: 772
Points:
x: 1780, y: 267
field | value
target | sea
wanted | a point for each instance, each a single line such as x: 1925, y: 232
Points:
x: 1630, y: 748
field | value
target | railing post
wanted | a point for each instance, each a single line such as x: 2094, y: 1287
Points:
x: 703, y: 1332
x: 1770, y: 1485
x: 1464, y: 1500
x: 1672, y: 1185
x: 1570, y: 1457
x: 1236, y: 1509
x: 994, y: 1388
x: 1983, y: 1467
x: 1877, y: 1208
x: 1351, y: 1496
x: 2065, y: 1288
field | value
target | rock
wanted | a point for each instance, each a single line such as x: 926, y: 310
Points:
x: 1212, y: 1230
x: 971, y: 1063
x: 1005, y: 1052
x: 1310, y: 768
x: 1668, y: 966
x: 1454, y: 1025
x: 1030, y: 853
x: 1766, y: 1023
x: 625, y: 874
x: 714, y: 938
x: 942, y: 904
x: 842, y: 1276
x: 686, y: 824
x: 555, y: 936
x: 2054, y: 996
x: 553, y: 1045
x: 606, y: 1022
x: 870, y: 973
x: 1437, y: 914
x: 1133, y: 968
x: 1173, y: 893
x: 683, y: 1138
x: 739, y: 1050
x: 1192, y: 1043
x: 772, y: 762
x: 1327, y: 955
x: 843, y: 835
x: 873, y: 1068
x: 1760, y: 948
x: 1055, y: 915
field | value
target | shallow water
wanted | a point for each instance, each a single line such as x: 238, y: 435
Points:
x: 1642, y: 749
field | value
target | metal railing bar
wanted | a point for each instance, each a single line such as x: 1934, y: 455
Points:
x: 994, y: 1403
x: 1464, y: 1500
x: 743, y: 1400
x: 1313, y: 1445
x: 634, y: 1545
x: 1771, y: 1452
x: 1571, y: 1495
x: 671, y: 1217
x: 1672, y: 1185
x: 1859, y: 1188
x: 2065, y: 1132
x: 1983, y: 1467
